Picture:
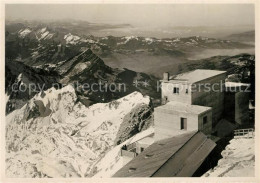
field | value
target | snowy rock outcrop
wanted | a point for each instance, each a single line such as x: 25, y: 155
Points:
x: 238, y: 160
x: 54, y: 135
x: 23, y: 82
x: 139, y: 119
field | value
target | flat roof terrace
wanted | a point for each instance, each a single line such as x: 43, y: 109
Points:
x: 195, y: 76
x: 182, y: 107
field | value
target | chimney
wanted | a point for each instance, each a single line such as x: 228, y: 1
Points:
x: 166, y: 76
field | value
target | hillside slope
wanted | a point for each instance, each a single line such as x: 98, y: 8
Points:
x: 248, y: 36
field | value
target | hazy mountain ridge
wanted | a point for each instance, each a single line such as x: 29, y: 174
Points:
x: 84, y: 69
x: 46, y: 45
x: 35, y: 45
x: 248, y: 36
x: 75, y: 26
x: 81, y: 27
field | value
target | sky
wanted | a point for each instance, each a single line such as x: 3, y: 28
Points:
x: 139, y: 15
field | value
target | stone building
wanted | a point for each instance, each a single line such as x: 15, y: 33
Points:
x: 175, y: 118
x: 193, y: 101
x: 196, y: 105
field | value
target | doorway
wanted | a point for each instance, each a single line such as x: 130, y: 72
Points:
x: 183, y: 123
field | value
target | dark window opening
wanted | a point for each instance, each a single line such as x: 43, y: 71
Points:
x: 183, y: 123
x: 187, y: 91
x: 142, y: 149
x: 175, y: 90
x: 148, y: 156
x: 205, y: 120
x: 131, y: 169
x: 124, y: 147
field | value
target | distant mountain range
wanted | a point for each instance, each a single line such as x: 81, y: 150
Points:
x: 44, y: 44
x: 54, y: 53
x: 247, y: 37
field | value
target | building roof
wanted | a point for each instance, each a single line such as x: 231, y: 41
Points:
x: 197, y: 75
x: 182, y: 107
x: 177, y: 156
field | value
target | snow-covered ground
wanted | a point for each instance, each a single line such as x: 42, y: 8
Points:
x: 54, y: 135
x: 113, y: 161
x: 233, y: 84
x: 238, y: 160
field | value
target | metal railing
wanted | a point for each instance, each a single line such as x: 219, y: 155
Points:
x: 130, y: 154
x: 244, y: 133
x: 129, y: 150
x: 131, y: 146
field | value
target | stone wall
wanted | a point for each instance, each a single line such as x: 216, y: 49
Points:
x: 205, y: 128
x: 203, y: 95
x: 167, y: 122
x: 242, y: 108
x: 182, y: 96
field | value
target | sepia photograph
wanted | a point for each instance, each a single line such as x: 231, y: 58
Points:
x: 125, y: 90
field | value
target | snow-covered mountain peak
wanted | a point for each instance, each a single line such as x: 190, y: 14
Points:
x: 23, y: 32
x: 127, y: 39
x: 47, y: 102
x: 42, y: 30
x: 54, y: 135
x: 71, y: 39
x: 43, y: 34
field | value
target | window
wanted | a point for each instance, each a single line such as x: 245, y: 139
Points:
x: 205, y: 120
x: 142, y: 149
x: 175, y: 90
x: 131, y: 169
x: 187, y: 91
x: 183, y: 123
x: 148, y: 156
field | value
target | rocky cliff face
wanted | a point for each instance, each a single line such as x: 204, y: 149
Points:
x: 23, y: 82
x: 138, y: 119
x: 55, y: 135
x: 105, y: 83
